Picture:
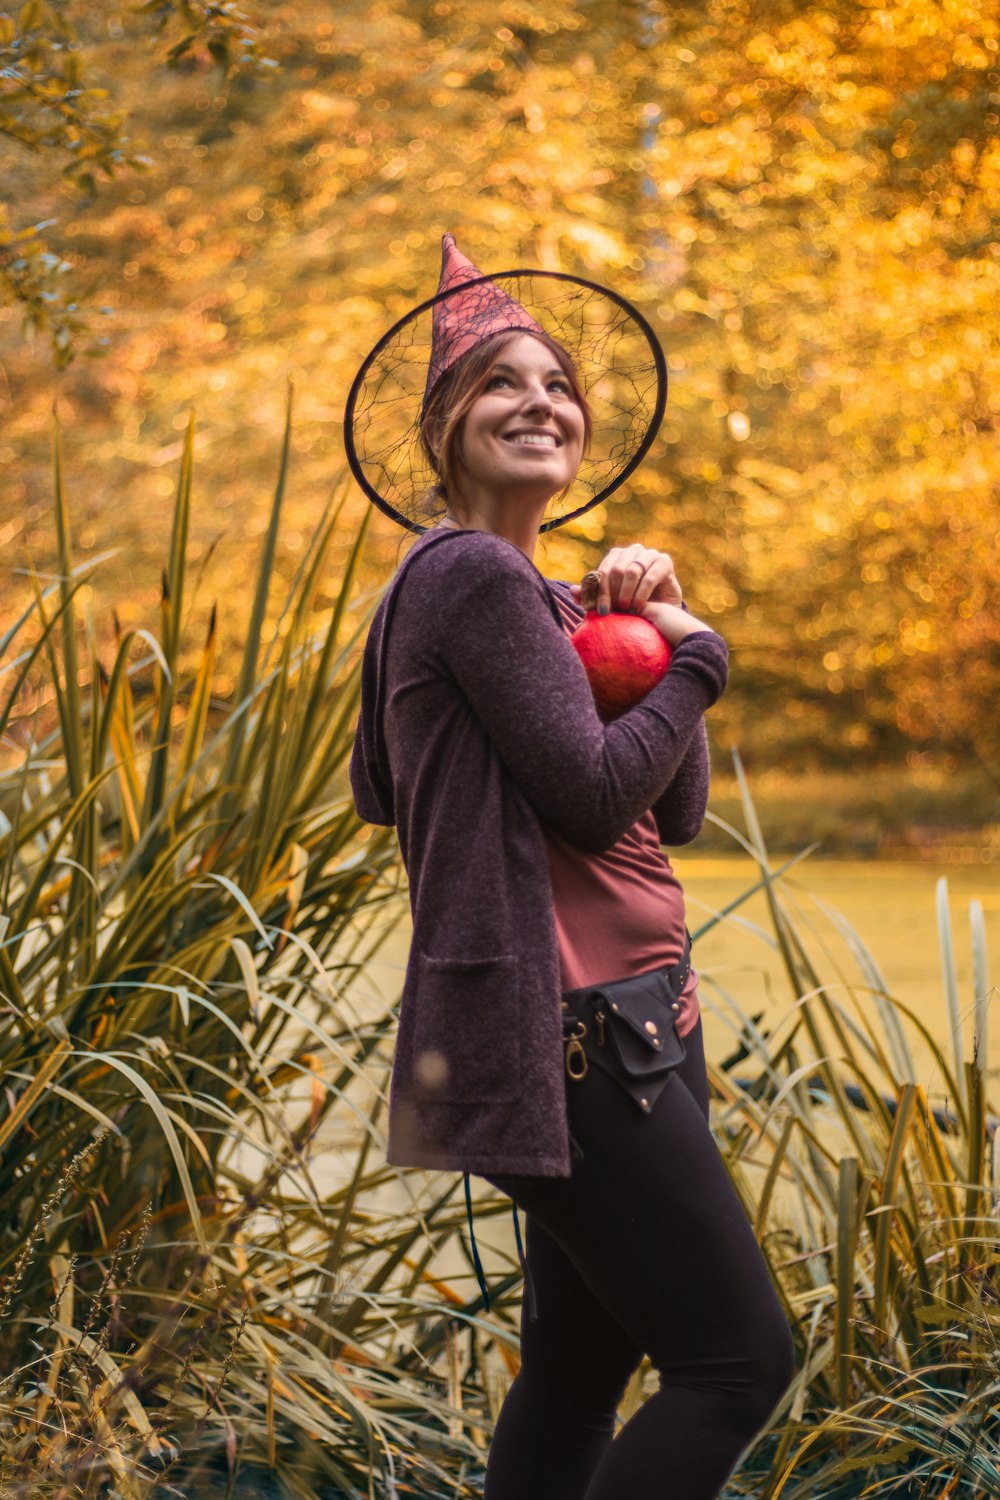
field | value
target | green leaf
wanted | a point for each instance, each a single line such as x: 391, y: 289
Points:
x: 847, y: 1207
x: 950, y: 976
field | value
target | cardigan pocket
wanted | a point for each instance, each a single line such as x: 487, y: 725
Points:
x: 467, y: 1034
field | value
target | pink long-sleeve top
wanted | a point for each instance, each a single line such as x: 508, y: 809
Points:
x: 621, y: 912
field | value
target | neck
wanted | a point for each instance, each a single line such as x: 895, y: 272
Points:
x: 518, y: 524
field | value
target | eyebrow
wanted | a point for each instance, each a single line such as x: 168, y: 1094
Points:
x: 511, y: 371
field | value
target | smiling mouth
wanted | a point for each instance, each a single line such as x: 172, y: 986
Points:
x: 546, y: 440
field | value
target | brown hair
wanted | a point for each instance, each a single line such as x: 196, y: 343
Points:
x: 454, y: 394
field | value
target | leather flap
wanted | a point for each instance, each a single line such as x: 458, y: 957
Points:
x: 642, y: 1004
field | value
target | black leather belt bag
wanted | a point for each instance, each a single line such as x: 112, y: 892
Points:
x: 628, y: 1028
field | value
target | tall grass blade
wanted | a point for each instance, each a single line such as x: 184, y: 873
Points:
x: 847, y: 1210
x: 980, y: 985
x: 888, y: 1188
x: 975, y: 1148
x: 26, y: 1102
x: 177, y: 561
x: 71, y: 716
x: 251, y: 652
x: 171, y: 610
x: 950, y: 978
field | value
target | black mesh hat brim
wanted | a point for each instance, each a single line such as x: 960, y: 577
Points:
x: 618, y: 360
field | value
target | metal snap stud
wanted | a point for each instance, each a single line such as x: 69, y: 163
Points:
x: 651, y: 1027
x: 675, y: 1007
x: 644, y: 1103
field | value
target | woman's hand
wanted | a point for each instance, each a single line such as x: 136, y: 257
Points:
x: 672, y: 623
x: 627, y: 578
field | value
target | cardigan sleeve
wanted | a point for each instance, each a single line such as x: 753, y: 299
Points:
x: 680, y: 811
x: 487, y: 621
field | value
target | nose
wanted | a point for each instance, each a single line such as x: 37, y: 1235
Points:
x: 537, y: 398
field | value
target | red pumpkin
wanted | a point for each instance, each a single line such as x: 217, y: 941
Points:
x: 624, y: 656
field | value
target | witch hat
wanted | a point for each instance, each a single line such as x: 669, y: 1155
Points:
x: 617, y: 357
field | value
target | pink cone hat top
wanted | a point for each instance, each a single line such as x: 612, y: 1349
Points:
x: 464, y: 319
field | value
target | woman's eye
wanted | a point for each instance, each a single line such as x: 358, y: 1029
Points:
x: 496, y: 380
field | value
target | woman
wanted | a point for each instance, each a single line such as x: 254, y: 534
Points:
x: 549, y: 1032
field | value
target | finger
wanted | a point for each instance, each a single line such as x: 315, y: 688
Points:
x: 597, y: 587
x: 622, y: 569
x: 624, y: 566
x: 632, y: 574
x: 610, y: 574
x: 667, y: 588
x: 660, y: 580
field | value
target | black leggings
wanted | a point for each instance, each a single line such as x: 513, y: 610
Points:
x: 644, y: 1249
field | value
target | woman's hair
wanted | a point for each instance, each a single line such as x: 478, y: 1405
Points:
x: 454, y: 394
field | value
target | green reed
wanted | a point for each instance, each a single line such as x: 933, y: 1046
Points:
x: 879, y: 1211
x: 188, y: 906
x: 207, y: 1271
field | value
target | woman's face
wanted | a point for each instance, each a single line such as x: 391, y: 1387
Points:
x: 525, y: 433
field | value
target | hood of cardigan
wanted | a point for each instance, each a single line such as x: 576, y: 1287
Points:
x: 370, y: 772
x: 371, y: 778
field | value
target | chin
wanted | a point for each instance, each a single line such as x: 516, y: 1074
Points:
x: 553, y: 472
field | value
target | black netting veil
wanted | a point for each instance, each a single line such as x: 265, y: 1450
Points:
x: 618, y: 360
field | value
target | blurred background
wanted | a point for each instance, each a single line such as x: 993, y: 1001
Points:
x: 201, y: 202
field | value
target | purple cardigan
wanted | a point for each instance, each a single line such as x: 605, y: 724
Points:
x: 477, y: 724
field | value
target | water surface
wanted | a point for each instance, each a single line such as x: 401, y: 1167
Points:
x: 892, y: 906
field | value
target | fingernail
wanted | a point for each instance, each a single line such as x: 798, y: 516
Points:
x: 604, y: 607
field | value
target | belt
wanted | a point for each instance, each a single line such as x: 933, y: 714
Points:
x: 627, y: 1027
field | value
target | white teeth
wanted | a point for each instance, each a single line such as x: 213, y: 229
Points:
x: 534, y: 439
